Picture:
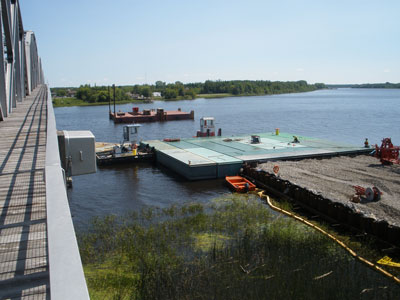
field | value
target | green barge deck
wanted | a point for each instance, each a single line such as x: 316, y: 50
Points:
x: 217, y: 157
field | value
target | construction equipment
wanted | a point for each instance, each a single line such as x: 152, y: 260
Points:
x: 276, y: 169
x: 369, y: 193
x: 388, y: 261
x: 387, y: 153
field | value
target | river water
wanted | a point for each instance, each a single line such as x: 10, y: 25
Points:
x: 342, y: 115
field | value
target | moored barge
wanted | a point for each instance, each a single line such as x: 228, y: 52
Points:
x: 150, y: 115
x: 217, y: 156
x: 127, y: 151
x: 125, y: 156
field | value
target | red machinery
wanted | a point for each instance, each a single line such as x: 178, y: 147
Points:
x: 387, y: 153
x: 369, y: 193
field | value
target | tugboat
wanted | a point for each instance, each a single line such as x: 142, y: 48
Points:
x: 127, y: 151
x: 207, y: 127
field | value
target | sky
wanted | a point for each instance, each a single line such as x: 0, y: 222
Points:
x: 127, y: 42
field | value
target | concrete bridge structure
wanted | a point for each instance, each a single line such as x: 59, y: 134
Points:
x: 39, y: 256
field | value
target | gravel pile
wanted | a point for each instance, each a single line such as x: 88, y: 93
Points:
x: 335, y: 177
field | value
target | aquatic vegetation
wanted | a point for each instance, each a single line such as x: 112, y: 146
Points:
x: 233, y: 248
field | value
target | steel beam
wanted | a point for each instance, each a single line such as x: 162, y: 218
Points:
x: 3, y: 97
x: 20, y: 66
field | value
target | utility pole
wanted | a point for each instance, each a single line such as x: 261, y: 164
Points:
x: 114, y: 98
x: 109, y: 101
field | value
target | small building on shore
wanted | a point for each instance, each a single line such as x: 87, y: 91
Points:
x: 156, y: 94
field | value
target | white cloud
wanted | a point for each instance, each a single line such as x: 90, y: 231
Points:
x: 386, y: 71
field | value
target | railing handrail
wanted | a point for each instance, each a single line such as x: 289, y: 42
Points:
x: 67, y: 280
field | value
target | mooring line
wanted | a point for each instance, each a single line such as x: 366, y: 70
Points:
x: 343, y: 245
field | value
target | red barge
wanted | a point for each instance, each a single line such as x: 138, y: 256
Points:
x: 150, y: 115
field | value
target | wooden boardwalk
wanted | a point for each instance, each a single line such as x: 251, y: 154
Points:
x: 24, y: 271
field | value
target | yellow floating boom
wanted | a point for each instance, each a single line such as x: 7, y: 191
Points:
x: 352, y: 252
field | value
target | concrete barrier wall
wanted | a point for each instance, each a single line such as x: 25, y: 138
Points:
x: 328, y: 207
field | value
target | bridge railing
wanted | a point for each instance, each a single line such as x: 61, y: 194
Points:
x: 67, y: 280
x: 20, y: 73
x: 20, y: 65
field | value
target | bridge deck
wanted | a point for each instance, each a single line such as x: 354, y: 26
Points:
x: 23, y: 233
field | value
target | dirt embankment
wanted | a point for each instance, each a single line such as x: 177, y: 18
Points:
x: 334, y: 178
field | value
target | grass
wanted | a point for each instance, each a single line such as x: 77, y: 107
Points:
x: 367, y: 246
x: 220, y: 95
x: 234, y: 248
x: 61, y: 102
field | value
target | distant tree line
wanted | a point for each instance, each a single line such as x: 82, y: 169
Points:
x: 100, y: 93
x: 92, y: 94
x: 176, y: 90
x: 386, y: 85
x: 63, y: 92
x: 179, y: 90
x: 257, y: 87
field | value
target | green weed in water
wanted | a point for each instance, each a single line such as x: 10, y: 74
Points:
x: 234, y: 248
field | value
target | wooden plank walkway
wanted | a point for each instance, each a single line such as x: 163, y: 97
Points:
x: 23, y: 234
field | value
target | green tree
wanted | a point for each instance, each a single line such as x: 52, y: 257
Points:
x: 191, y: 93
x: 61, y: 93
x: 171, y: 93
x: 102, y: 96
x: 160, y: 85
x: 84, y: 93
x: 136, y: 89
x: 146, y: 91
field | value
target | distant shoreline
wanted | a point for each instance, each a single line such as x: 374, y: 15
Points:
x: 70, y: 101
x: 386, y: 85
x: 100, y: 95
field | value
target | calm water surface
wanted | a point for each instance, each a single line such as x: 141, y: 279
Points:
x: 343, y: 115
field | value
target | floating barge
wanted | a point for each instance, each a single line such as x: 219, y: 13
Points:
x: 127, y: 151
x: 105, y: 154
x: 217, y: 157
x: 326, y: 188
x: 150, y: 115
